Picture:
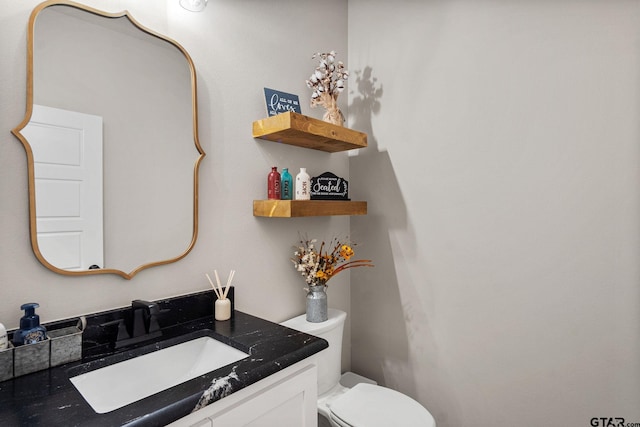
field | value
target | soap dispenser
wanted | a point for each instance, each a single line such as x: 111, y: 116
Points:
x: 31, y: 331
x: 4, y: 342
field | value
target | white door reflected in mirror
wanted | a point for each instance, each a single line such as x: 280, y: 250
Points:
x: 67, y: 153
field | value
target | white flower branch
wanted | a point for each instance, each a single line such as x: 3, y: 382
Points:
x: 326, y: 83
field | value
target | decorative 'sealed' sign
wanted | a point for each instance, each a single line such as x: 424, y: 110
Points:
x: 329, y: 187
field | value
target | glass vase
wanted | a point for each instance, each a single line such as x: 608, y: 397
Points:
x: 317, y: 304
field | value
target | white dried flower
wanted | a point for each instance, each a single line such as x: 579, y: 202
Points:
x: 327, y: 81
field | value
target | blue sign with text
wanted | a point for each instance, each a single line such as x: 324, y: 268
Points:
x: 281, y: 102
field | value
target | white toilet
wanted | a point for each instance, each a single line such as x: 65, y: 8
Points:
x: 351, y: 400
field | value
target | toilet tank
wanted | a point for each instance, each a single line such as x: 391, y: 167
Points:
x: 329, y: 359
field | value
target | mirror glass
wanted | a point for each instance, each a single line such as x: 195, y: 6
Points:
x: 111, y: 139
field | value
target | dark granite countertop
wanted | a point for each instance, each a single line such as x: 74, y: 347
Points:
x: 47, y: 398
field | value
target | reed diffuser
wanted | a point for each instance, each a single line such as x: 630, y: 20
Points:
x: 222, y: 306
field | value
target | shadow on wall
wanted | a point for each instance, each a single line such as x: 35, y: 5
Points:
x: 381, y: 309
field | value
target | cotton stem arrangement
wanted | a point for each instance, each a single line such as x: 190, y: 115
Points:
x: 326, y: 82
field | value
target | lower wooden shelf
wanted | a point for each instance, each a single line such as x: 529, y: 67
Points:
x: 300, y: 208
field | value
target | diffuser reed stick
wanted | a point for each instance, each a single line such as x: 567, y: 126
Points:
x: 229, y: 280
x: 219, y: 285
x: 213, y: 286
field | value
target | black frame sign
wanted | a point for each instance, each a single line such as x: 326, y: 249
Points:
x: 280, y: 102
x: 329, y: 186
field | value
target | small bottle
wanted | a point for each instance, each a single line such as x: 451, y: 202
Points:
x: 31, y: 331
x: 4, y: 342
x: 273, y: 184
x: 286, y: 185
x: 303, y: 185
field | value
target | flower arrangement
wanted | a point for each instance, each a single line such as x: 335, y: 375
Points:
x: 327, y: 81
x: 318, y: 266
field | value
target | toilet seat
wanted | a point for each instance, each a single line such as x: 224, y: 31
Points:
x: 375, y: 406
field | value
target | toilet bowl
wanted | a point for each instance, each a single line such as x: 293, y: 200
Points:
x: 351, y: 400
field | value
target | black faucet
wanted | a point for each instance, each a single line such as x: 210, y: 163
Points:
x: 145, y: 318
x: 139, y: 324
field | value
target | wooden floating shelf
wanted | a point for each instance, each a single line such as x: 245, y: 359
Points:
x: 301, y: 208
x: 296, y: 129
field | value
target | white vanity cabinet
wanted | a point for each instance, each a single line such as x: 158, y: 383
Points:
x: 287, y: 398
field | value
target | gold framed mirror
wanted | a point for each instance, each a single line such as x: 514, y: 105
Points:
x: 111, y: 138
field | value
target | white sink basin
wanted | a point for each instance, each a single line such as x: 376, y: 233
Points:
x: 120, y: 384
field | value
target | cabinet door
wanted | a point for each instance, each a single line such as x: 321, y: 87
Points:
x: 288, y: 398
x: 291, y: 402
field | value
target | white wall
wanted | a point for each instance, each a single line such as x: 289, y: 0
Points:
x: 238, y: 48
x: 504, y: 200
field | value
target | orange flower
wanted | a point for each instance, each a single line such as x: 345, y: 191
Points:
x: 346, y: 252
x: 318, y: 266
